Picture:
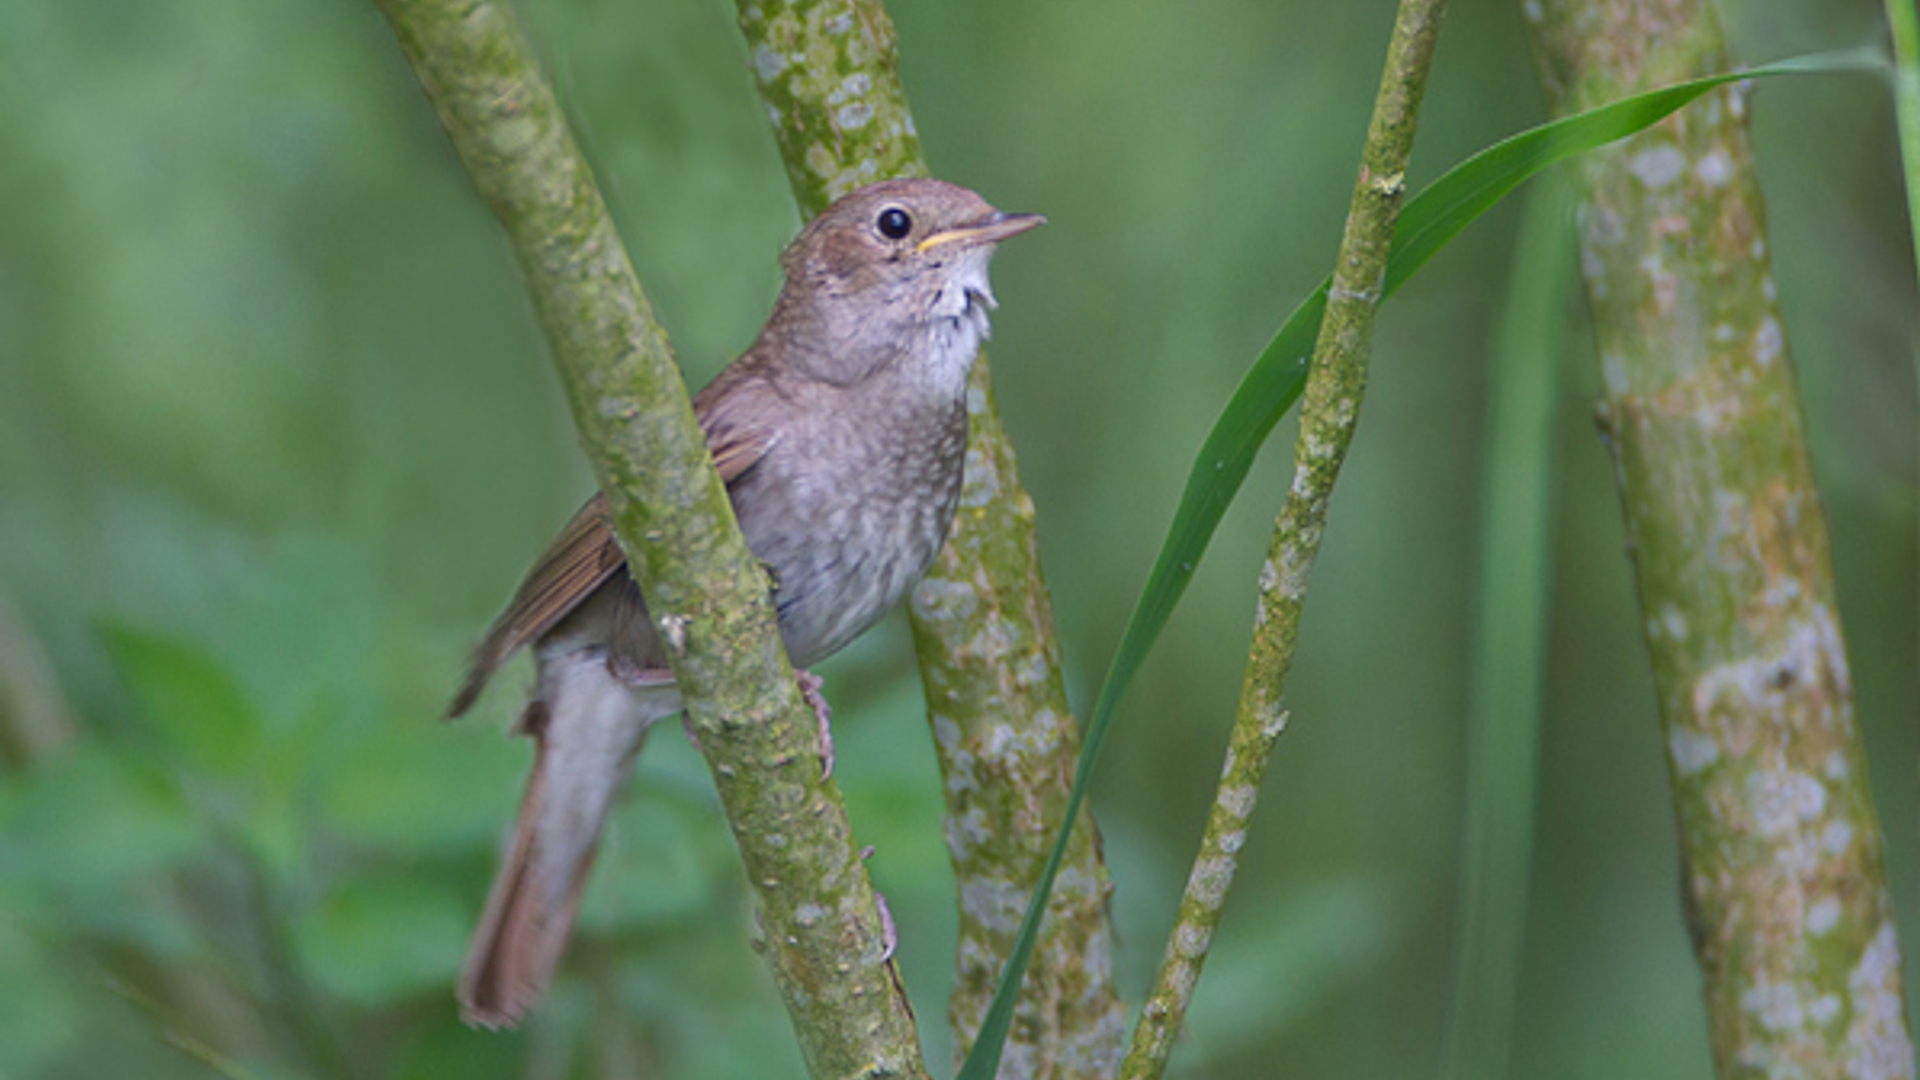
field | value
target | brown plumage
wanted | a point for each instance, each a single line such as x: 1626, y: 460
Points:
x: 840, y: 435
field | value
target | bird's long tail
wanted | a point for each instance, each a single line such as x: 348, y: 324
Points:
x: 587, y: 725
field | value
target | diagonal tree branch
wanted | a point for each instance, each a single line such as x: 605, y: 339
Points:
x: 822, y: 929
x: 1781, y: 873
x: 983, y: 620
x: 1329, y: 412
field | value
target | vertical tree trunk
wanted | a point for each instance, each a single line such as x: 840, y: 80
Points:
x: 982, y: 620
x: 1780, y: 851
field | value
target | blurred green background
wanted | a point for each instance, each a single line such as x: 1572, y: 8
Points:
x: 277, y: 437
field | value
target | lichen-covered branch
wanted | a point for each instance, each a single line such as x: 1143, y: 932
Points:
x: 983, y: 620
x: 1781, y: 855
x: 983, y: 627
x: 1329, y: 412
x: 1249, y: 746
x: 828, y: 71
x: 822, y: 929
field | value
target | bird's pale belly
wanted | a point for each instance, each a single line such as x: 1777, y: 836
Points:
x: 836, y: 572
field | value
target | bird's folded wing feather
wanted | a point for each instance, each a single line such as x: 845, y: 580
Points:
x: 587, y: 553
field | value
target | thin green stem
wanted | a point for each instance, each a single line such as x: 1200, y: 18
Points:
x: 35, y: 720
x: 1330, y: 410
x: 189, y: 1044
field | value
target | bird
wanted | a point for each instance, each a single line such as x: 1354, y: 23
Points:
x: 840, y: 434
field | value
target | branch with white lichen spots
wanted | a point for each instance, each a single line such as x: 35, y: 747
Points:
x: 1781, y: 855
x: 982, y: 620
x: 1329, y: 412
x: 823, y: 932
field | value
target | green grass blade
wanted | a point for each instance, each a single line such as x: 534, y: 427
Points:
x: 1450, y: 203
x: 1270, y: 388
x: 1904, y: 22
x: 1509, y: 652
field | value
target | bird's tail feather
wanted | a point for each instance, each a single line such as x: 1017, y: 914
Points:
x: 587, y: 725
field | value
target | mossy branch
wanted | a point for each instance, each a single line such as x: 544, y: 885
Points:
x: 1781, y: 874
x: 983, y: 620
x: 822, y: 928
x: 1329, y: 412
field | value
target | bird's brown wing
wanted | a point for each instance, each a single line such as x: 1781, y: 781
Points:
x: 586, y: 553
x: 741, y: 415
x: 578, y: 561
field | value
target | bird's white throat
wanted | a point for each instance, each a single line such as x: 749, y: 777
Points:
x: 959, y: 316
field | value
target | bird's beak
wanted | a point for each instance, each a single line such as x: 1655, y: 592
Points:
x: 997, y: 227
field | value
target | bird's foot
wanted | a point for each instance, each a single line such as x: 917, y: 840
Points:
x: 889, y: 933
x: 822, y: 715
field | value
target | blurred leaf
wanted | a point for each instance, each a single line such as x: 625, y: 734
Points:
x: 450, y: 1048
x: 653, y: 865
x: 189, y: 698
x: 891, y: 780
x: 378, y: 940
x: 78, y: 834
x: 38, y: 1014
x: 1269, y: 389
x: 93, y: 818
x: 743, y: 1042
x: 306, y: 630
x: 413, y: 784
x: 274, y: 833
x: 277, y: 827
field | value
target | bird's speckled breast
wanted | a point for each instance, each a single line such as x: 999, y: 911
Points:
x: 850, y: 531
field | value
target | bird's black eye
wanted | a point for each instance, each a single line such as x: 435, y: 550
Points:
x: 894, y: 223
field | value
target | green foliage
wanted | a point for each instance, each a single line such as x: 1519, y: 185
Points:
x: 320, y: 862
x: 39, y: 1018
x: 80, y: 831
x: 193, y: 705
x: 410, y: 786
x: 379, y: 941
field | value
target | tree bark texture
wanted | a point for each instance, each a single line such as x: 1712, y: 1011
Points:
x: 822, y: 930
x: 983, y: 619
x: 1780, y: 851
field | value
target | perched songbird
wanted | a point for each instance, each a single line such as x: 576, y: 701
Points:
x: 840, y: 434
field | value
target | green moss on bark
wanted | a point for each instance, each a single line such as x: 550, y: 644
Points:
x: 822, y: 931
x: 983, y: 620
x: 1781, y: 853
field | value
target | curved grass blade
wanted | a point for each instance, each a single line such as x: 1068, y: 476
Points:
x: 1510, y: 643
x: 1273, y: 384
